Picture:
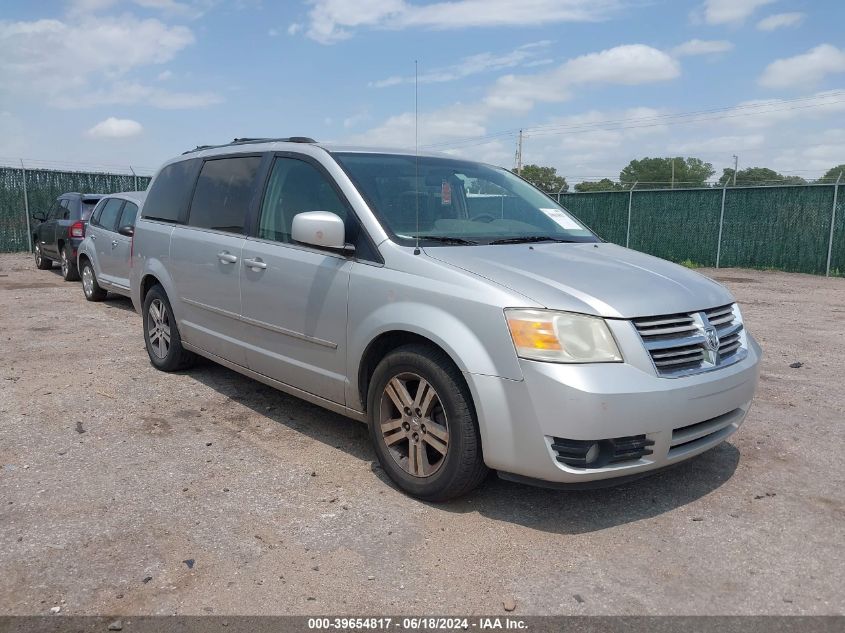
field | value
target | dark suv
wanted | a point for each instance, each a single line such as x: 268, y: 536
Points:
x: 60, y: 231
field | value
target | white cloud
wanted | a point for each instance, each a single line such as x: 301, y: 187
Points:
x: 471, y: 65
x: 730, y: 11
x: 630, y: 64
x: 62, y: 61
x: 702, y: 47
x: 190, y: 9
x: 334, y: 20
x: 130, y: 93
x: 440, y: 125
x: 165, y: 75
x: 273, y: 33
x: 115, y: 128
x: 779, y: 21
x: 806, y: 69
x: 763, y: 113
x: 294, y: 28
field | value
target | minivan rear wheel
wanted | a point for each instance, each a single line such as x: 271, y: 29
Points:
x: 423, y: 426
x: 161, y: 334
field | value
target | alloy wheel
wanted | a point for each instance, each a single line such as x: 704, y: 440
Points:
x: 37, y: 255
x: 65, y: 264
x: 87, y: 280
x: 413, y: 424
x: 158, y: 330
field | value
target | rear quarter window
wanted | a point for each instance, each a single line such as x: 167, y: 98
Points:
x: 170, y: 191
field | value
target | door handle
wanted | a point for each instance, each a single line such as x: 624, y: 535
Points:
x: 94, y: 238
x: 113, y: 243
x: 226, y: 257
x: 255, y: 264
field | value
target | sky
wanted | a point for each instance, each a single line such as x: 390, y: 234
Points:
x: 110, y: 84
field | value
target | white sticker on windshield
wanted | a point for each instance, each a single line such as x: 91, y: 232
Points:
x: 560, y: 218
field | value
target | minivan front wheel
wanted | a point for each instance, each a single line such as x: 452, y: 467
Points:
x: 161, y: 334
x: 422, y: 424
x: 92, y: 290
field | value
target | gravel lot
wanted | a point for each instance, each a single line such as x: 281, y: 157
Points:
x: 124, y: 490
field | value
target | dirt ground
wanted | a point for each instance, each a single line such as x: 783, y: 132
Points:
x: 124, y: 490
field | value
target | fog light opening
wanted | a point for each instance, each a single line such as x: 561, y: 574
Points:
x: 592, y: 453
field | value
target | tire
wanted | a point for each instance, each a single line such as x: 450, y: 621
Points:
x: 41, y: 262
x: 69, y: 270
x: 161, y: 335
x: 410, y: 452
x: 90, y: 287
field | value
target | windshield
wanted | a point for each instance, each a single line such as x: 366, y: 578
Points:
x: 458, y: 202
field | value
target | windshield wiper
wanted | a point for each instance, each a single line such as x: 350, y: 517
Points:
x: 447, y: 239
x: 525, y: 239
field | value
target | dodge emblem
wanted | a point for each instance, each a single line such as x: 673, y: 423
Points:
x: 711, y: 337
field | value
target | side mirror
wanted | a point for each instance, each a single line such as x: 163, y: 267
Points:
x: 127, y: 230
x: 39, y: 216
x: 322, y: 229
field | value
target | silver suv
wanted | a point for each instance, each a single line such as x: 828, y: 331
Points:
x: 466, y: 317
x: 104, y: 256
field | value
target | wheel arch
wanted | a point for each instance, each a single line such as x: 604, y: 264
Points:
x: 384, y: 344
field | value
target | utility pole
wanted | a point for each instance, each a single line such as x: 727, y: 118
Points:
x: 519, y: 155
x: 673, y: 173
x: 736, y: 167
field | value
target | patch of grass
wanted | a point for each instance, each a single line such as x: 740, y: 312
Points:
x: 688, y: 263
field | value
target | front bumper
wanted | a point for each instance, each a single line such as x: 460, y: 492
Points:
x: 682, y: 416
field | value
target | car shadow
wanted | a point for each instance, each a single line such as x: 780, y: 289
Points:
x: 555, y: 511
x: 118, y: 302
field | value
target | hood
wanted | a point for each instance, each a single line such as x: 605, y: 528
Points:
x: 601, y: 279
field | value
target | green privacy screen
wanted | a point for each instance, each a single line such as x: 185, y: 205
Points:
x: 784, y: 228
x: 42, y: 188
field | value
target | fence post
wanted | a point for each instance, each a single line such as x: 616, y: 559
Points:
x: 135, y: 176
x: 721, y: 224
x: 630, y: 200
x: 832, y: 222
x: 559, y: 191
x: 26, y: 208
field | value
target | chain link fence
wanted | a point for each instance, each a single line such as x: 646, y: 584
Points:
x: 24, y: 191
x: 796, y: 228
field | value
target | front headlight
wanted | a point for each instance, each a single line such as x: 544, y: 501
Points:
x: 561, y: 337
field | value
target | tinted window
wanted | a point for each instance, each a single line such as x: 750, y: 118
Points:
x: 98, y: 210
x: 130, y: 212
x: 169, y: 191
x: 108, y: 218
x: 223, y: 193
x: 64, y: 210
x: 295, y: 186
x: 88, y: 208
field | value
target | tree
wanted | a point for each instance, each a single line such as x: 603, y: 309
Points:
x: 544, y: 178
x: 605, y: 184
x: 656, y: 173
x: 833, y: 173
x: 758, y: 176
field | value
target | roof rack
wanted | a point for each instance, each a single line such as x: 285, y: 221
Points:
x: 247, y: 141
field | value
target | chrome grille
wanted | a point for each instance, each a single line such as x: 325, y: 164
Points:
x: 678, y: 343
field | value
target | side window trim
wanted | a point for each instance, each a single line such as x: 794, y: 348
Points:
x: 253, y: 228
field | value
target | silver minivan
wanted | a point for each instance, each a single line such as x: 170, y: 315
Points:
x: 462, y: 314
x: 104, y: 256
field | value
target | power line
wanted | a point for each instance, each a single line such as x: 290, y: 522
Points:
x: 653, y: 121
